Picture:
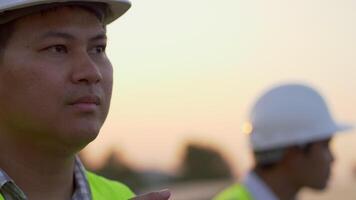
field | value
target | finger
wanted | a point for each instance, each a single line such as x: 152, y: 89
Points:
x: 161, y: 195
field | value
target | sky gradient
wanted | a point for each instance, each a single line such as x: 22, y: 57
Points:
x: 190, y: 70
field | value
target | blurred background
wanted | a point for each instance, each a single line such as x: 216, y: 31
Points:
x: 187, y: 72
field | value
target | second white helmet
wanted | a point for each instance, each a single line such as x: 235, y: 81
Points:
x: 290, y: 114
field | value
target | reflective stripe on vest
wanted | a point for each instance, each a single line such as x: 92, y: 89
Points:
x: 235, y: 192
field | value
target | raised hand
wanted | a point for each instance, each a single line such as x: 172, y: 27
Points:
x: 160, y: 195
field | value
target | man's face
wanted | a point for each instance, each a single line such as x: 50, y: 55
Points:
x: 55, y: 78
x: 315, y: 165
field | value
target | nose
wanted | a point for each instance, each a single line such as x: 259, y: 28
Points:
x: 86, y: 70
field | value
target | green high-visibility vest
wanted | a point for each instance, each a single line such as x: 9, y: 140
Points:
x: 104, y: 189
x: 235, y: 192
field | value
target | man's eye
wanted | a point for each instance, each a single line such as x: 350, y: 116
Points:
x: 58, y: 49
x: 99, y: 49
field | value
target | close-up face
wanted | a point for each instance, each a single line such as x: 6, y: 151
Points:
x: 55, y: 77
x: 315, y: 165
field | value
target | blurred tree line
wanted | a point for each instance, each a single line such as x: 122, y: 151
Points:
x: 198, y: 163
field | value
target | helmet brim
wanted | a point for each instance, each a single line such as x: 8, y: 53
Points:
x: 343, y: 128
x: 116, y: 8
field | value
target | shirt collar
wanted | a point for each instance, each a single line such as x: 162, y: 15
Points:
x: 82, y: 189
x: 258, y: 188
x: 11, y: 191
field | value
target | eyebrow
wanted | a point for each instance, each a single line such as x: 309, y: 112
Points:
x: 64, y: 35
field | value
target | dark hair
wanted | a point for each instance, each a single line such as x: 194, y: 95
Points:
x: 269, y: 159
x: 6, y: 31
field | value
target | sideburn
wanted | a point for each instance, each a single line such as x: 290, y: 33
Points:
x: 6, y: 31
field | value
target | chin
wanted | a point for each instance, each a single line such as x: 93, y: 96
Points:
x: 73, y: 145
x: 86, y: 135
x: 81, y: 136
x: 320, y: 186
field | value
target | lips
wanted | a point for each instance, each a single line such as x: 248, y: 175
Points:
x: 90, y: 99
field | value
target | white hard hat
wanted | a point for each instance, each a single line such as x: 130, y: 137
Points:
x: 288, y: 115
x: 116, y: 8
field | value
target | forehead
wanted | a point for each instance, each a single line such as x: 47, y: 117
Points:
x: 64, y: 18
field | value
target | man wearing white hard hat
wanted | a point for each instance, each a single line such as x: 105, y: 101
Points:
x: 290, y: 130
x: 55, y: 91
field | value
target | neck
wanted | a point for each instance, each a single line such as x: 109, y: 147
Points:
x: 279, y: 183
x: 39, y: 172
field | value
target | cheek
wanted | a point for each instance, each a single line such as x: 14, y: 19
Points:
x: 106, y: 85
x: 320, y: 165
x: 107, y: 74
x: 17, y: 83
x: 27, y: 100
x: 24, y: 88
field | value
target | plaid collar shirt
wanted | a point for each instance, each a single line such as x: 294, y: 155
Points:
x: 10, y: 191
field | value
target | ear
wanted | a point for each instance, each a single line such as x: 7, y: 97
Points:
x: 293, y: 159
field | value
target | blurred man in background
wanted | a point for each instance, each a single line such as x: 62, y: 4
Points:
x: 55, y: 91
x: 290, y: 131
